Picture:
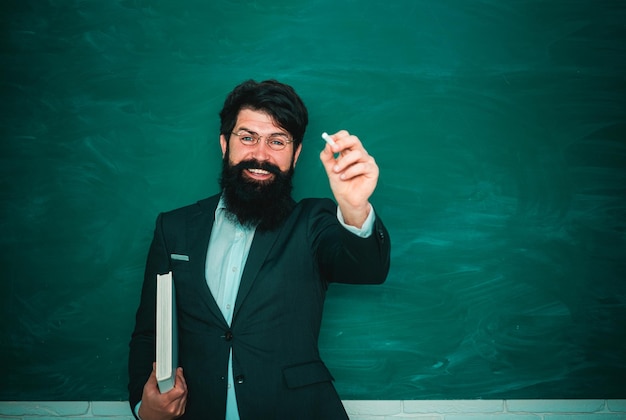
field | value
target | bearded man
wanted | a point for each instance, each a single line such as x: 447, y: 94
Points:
x: 252, y: 267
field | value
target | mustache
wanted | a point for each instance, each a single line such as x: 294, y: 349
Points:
x: 255, y: 164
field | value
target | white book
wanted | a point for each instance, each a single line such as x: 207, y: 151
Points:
x: 166, y: 333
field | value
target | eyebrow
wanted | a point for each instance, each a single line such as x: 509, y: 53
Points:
x: 280, y: 133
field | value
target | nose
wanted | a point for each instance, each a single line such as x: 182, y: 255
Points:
x: 261, y: 151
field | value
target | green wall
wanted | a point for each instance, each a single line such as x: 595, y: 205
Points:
x: 499, y: 127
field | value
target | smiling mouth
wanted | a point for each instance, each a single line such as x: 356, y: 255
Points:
x: 259, y: 171
x: 258, y: 174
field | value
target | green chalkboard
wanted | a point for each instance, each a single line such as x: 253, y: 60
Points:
x: 499, y: 127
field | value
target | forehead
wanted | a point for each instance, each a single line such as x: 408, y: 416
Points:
x: 258, y: 121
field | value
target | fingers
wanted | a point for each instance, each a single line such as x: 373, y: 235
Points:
x: 169, y: 405
x: 353, y: 164
x: 180, y: 384
x: 352, y: 160
x: 179, y: 395
x: 342, y: 140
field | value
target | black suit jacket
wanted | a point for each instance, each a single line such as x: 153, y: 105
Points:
x: 278, y: 311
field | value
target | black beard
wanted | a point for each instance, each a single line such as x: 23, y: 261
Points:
x: 265, y: 205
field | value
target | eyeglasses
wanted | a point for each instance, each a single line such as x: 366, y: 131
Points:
x: 274, y: 141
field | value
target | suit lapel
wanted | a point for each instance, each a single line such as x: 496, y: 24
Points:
x: 199, y: 231
x: 260, y: 247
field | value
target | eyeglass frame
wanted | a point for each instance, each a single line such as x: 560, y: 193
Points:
x: 257, y: 138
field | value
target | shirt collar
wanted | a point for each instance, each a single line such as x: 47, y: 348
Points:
x: 221, y: 205
x: 221, y: 212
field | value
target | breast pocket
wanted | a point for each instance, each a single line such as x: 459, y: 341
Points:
x: 186, y: 284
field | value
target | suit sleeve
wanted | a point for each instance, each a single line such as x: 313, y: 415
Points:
x: 142, y: 350
x: 344, y: 257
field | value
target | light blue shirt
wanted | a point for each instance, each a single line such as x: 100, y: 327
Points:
x: 226, y: 257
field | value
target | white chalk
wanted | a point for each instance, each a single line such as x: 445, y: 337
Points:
x: 328, y: 139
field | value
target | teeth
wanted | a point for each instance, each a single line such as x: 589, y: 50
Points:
x: 259, y: 171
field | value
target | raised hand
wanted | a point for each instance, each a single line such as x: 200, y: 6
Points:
x: 353, y: 175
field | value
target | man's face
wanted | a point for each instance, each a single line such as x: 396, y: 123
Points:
x: 256, y: 179
x: 262, y: 124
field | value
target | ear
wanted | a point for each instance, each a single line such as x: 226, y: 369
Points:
x: 297, y: 154
x: 223, y: 144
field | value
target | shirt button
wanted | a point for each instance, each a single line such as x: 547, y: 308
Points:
x: 240, y: 379
x: 234, y: 269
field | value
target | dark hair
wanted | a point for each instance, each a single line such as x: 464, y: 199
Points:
x: 278, y: 100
